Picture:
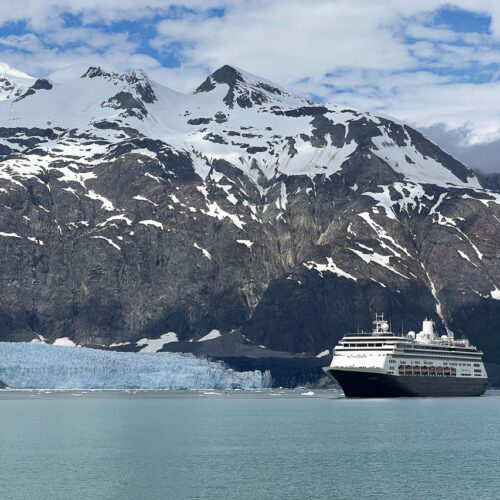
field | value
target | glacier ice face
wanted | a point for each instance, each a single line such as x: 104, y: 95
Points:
x: 29, y: 366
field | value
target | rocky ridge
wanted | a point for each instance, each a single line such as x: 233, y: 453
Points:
x: 135, y: 216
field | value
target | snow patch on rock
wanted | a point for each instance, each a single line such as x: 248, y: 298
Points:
x: 155, y: 345
x: 214, y: 334
x: 329, y: 267
x: 64, y: 341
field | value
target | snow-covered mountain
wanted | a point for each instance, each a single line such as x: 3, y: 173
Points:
x: 13, y: 83
x: 130, y: 212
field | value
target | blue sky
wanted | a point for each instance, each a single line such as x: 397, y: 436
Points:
x: 435, y: 65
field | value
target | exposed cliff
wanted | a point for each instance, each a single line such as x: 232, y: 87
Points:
x: 129, y: 211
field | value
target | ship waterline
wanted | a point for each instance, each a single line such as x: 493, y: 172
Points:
x: 383, y: 364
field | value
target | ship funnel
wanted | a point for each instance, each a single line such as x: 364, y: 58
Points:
x: 428, y: 328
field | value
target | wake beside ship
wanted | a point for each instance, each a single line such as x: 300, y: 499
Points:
x: 383, y: 364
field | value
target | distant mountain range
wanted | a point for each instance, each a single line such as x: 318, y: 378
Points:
x: 262, y: 223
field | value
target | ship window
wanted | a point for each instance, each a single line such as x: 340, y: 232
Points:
x: 362, y: 345
x: 476, y: 364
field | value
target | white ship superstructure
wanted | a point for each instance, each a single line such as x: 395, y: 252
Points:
x: 384, y: 363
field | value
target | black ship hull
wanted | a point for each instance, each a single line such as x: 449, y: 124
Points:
x: 361, y: 384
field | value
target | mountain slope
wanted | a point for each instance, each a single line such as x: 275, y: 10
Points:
x: 128, y: 210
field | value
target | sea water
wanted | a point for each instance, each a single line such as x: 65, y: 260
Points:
x: 246, y: 445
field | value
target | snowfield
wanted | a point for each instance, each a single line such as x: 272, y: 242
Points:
x: 40, y: 366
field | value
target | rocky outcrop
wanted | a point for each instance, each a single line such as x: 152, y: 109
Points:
x: 282, y: 224
x: 490, y: 180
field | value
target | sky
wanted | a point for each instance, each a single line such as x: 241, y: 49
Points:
x: 432, y: 64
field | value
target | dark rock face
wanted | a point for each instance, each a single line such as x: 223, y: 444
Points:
x: 126, y: 101
x: 3, y: 385
x: 283, y: 241
x: 42, y: 84
x: 490, y: 180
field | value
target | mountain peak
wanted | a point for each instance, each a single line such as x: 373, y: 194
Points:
x: 225, y: 74
x: 13, y: 82
x: 137, y: 79
x: 94, y: 72
x: 245, y: 89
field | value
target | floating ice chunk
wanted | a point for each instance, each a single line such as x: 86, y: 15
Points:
x: 495, y: 294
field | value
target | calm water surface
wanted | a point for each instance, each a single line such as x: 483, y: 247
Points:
x: 65, y: 445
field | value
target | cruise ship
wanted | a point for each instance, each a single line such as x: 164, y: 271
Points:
x: 383, y: 364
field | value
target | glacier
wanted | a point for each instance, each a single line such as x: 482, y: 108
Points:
x: 42, y: 366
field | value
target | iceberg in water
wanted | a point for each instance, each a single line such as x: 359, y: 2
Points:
x: 30, y: 366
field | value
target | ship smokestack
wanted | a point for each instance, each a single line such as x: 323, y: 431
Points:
x: 428, y: 327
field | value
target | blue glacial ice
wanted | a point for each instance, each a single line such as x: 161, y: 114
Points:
x: 30, y: 366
